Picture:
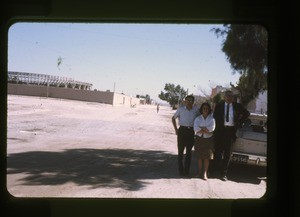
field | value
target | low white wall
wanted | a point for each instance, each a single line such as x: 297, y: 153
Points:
x: 121, y: 99
x: 58, y: 92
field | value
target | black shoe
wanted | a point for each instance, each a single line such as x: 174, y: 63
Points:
x: 224, y: 178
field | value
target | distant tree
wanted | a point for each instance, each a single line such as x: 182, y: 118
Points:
x: 148, y: 99
x: 174, y: 95
x: 217, y: 98
x: 203, y: 96
x: 246, y: 48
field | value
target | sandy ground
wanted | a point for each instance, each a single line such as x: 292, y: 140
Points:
x: 65, y: 148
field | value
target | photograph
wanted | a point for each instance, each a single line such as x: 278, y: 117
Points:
x: 102, y: 110
x: 146, y: 109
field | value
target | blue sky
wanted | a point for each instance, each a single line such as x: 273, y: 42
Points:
x: 135, y: 58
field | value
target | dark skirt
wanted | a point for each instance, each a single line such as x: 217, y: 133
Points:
x: 204, y: 147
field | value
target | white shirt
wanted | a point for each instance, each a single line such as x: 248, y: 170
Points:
x: 230, y: 122
x: 186, y: 117
x: 208, y: 122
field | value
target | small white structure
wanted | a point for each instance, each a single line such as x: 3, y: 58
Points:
x: 260, y: 104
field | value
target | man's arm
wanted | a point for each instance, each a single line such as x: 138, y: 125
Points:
x: 243, y: 114
x: 175, y: 125
x: 216, y: 112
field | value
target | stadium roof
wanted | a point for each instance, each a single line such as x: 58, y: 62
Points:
x: 46, y: 80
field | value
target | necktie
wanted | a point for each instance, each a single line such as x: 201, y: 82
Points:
x: 227, y: 113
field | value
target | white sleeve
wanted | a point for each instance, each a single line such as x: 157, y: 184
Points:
x: 212, y: 124
x: 197, y: 124
x: 176, y: 115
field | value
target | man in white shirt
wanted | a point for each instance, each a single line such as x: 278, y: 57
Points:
x: 185, y: 133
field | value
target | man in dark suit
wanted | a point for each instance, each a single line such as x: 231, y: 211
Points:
x: 229, y: 116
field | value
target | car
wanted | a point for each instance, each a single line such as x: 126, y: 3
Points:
x: 250, y: 146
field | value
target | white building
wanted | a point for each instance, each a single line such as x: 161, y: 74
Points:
x: 260, y: 104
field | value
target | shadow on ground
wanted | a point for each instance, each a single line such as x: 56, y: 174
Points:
x: 246, y: 173
x: 124, y: 168
x: 243, y: 173
x: 114, y: 168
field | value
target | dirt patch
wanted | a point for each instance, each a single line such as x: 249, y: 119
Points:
x: 79, y: 149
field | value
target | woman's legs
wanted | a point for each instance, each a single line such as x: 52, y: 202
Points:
x: 205, y: 168
x: 199, y: 167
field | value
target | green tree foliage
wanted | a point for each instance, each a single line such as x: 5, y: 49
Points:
x: 217, y: 98
x: 146, y: 97
x: 246, y: 48
x: 174, y: 95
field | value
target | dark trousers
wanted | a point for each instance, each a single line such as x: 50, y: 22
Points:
x: 185, y: 140
x: 223, y: 150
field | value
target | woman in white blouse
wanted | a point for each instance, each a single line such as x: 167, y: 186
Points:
x: 204, y: 126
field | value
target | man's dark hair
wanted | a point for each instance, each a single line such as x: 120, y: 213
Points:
x: 190, y: 97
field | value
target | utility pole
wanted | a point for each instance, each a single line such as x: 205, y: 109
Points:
x: 47, y: 88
